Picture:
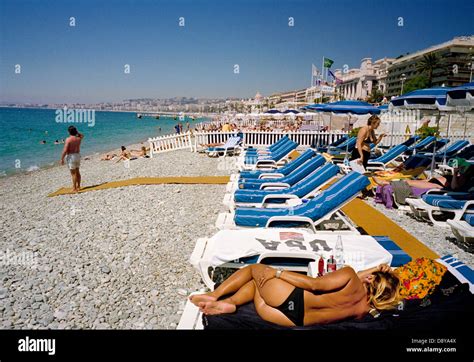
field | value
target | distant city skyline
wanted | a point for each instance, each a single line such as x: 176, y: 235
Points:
x: 86, y: 63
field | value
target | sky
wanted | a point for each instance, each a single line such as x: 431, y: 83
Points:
x: 87, y: 62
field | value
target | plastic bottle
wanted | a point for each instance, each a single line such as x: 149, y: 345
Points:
x: 346, y: 162
x: 321, y: 266
x: 331, y: 265
x: 339, y: 253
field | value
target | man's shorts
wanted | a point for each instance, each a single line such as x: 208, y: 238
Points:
x: 73, y: 160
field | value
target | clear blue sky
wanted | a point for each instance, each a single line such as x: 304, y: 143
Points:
x: 85, y: 63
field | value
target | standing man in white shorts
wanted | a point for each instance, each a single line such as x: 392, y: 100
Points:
x: 71, y: 151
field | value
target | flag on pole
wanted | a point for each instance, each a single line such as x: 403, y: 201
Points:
x: 314, y: 74
x: 328, y: 62
x: 338, y: 81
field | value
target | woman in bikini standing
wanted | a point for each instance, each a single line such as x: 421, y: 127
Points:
x: 365, y: 137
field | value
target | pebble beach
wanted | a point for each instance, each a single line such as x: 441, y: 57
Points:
x: 118, y: 258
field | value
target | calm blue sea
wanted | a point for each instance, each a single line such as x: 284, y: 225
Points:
x: 22, y: 130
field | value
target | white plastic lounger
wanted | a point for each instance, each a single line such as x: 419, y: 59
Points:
x: 276, y: 196
x: 274, y: 160
x: 280, y: 182
x: 191, y: 317
x: 229, y: 148
x: 463, y: 229
x: 291, y: 249
x: 323, y: 207
x: 380, y: 163
x: 434, y: 202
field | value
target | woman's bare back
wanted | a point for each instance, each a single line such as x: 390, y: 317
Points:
x: 349, y: 301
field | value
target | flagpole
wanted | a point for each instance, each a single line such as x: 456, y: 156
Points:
x: 322, y: 69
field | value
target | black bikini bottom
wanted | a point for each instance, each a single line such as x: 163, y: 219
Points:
x: 293, y: 307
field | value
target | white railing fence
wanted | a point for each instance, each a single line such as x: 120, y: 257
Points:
x: 170, y: 143
x: 201, y: 140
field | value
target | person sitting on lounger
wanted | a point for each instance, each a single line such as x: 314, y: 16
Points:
x: 288, y: 299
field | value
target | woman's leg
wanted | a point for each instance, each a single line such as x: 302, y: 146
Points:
x: 244, y: 295
x: 423, y: 184
x: 272, y: 294
x: 366, y: 158
x: 230, y: 285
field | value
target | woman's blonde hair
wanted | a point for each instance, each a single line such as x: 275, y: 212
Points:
x: 384, y: 291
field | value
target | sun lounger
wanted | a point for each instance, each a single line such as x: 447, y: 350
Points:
x: 270, y: 148
x: 289, y: 180
x: 463, y: 229
x: 312, y: 213
x: 447, y: 309
x: 292, y: 249
x: 281, y: 172
x: 345, y: 147
x: 448, y: 151
x: 439, y: 202
x: 460, y: 270
x: 229, y: 148
x: 380, y: 163
x: 420, y: 145
x: 270, y: 161
x: 333, y: 145
x: 283, y: 196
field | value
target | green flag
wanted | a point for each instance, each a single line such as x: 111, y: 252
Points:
x: 328, y: 62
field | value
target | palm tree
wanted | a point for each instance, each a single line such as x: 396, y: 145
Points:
x: 428, y: 64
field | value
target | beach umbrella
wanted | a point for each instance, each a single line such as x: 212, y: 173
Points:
x: 434, y: 98
x: 273, y: 111
x: 354, y: 107
x: 462, y: 99
x: 462, y: 96
x: 294, y: 111
x: 428, y: 98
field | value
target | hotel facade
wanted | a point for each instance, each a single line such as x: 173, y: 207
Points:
x: 455, y: 63
x: 358, y: 83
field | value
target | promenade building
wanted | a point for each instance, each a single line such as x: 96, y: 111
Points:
x: 357, y: 83
x: 454, y: 66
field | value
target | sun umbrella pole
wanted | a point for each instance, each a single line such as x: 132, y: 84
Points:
x: 465, y: 127
x: 433, y: 158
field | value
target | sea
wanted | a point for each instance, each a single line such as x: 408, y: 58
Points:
x: 24, y: 130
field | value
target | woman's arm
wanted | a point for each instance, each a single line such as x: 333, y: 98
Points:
x: 382, y: 267
x: 379, y: 139
x: 326, y: 283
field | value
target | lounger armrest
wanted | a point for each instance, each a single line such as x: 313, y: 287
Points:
x: 266, y: 163
x: 302, y: 219
x: 268, y: 198
x: 269, y: 176
x: 375, y: 166
x: 436, y: 192
x: 466, y: 207
x: 274, y: 184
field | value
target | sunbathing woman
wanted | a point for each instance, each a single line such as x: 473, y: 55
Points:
x: 289, y: 299
x: 459, y: 181
x: 142, y: 153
